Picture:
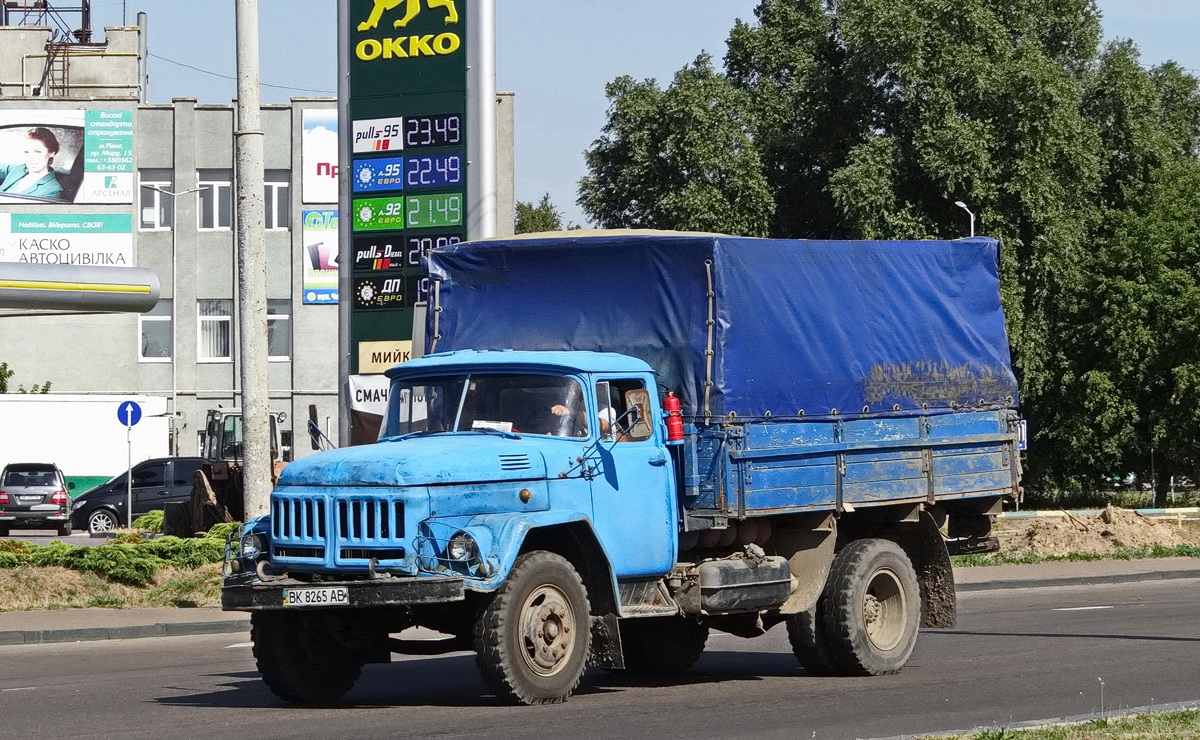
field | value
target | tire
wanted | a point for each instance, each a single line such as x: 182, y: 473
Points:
x: 870, y: 610
x: 299, y: 659
x: 662, y: 645
x: 64, y: 530
x: 4, y: 531
x: 102, y: 520
x: 808, y: 641
x: 533, y: 637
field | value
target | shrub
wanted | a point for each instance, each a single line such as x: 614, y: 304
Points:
x: 17, y: 546
x: 131, y: 561
x: 129, y: 564
x: 189, y: 553
x: 151, y: 522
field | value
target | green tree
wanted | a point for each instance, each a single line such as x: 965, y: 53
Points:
x: 6, y: 373
x: 542, y: 217
x: 870, y: 118
x: 681, y: 158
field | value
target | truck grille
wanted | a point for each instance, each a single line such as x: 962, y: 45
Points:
x: 367, y: 553
x: 369, y: 519
x: 298, y: 518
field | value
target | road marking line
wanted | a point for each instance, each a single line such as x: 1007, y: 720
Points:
x: 23, y: 688
x: 239, y: 645
x: 1080, y: 608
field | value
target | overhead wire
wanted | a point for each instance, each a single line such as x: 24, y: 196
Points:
x: 231, y: 77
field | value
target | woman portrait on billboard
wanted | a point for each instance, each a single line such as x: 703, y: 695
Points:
x: 34, y: 173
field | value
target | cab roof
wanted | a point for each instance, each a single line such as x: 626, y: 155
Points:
x: 510, y: 359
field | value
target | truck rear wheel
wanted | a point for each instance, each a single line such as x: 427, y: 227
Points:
x: 299, y: 658
x: 871, y: 609
x: 808, y: 641
x: 662, y: 644
x: 533, y: 637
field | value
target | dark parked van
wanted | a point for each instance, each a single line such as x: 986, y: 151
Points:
x: 156, y: 483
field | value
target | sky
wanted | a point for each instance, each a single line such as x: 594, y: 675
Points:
x: 556, y: 56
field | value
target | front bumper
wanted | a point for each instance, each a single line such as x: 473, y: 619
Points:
x: 261, y: 596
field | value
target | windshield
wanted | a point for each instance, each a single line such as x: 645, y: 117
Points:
x: 521, y: 404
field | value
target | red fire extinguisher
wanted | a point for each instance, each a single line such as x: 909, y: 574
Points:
x: 674, y: 417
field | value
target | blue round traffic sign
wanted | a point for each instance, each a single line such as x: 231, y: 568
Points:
x: 129, y: 413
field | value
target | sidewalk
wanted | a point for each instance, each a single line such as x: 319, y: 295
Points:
x: 76, y: 625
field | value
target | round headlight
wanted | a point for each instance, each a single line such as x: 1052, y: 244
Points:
x: 252, y: 545
x: 462, y: 547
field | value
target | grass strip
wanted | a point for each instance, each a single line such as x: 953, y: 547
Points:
x: 1181, y: 724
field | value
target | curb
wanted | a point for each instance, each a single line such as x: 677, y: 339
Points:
x: 132, y: 632
x: 1153, y: 575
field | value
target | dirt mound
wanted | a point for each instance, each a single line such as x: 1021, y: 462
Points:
x: 1109, y: 529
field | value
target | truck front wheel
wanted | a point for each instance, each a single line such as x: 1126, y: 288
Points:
x: 533, y: 637
x: 870, y: 610
x: 299, y: 658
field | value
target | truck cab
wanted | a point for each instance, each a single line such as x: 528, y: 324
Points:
x: 478, y: 448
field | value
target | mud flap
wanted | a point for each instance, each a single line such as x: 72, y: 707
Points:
x: 922, y: 542
x: 606, y: 643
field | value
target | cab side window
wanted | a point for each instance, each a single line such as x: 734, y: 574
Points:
x: 614, y: 402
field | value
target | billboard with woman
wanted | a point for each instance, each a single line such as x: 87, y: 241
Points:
x: 66, y: 156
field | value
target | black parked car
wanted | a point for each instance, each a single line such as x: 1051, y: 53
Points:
x: 156, y: 483
x: 34, y: 496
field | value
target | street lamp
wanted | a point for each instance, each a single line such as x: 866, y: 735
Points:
x: 174, y: 306
x: 963, y: 206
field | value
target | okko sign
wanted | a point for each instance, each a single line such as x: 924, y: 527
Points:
x: 408, y: 170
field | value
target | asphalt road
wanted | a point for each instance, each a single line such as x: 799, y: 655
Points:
x: 1015, y: 656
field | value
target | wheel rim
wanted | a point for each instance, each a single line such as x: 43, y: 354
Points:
x: 547, y: 630
x: 101, y: 522
x: 885, y: 610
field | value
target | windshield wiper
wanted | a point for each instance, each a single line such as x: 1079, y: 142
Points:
x: 409, y: 435
x: 485, y: 430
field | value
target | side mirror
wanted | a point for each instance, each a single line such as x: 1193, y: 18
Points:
x: 638, y: 415
x: 71, y: 485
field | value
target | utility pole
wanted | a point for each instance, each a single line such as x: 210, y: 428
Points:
x: 252, y: 268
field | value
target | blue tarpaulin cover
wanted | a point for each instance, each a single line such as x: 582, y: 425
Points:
x: 801, y: 328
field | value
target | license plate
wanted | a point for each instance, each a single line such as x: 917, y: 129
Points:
x: 30, y: 499
x: 316, y: 596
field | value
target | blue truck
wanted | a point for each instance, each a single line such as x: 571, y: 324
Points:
x: 621, y: 441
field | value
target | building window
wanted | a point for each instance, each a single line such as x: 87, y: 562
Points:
x: 157, y: 333
x: 277, y: 205
x: 214, y: 330
x: 216, y: 199
x: 156, y: 209
x: 279, y: 329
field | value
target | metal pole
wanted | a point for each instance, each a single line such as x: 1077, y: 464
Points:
x: 174, y: 308
x: 129, y: 470
x: 252, y: 268
x: 481, y: 120
x: 345, y: 262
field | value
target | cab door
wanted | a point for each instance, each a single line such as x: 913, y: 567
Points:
x: 632, y: 482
